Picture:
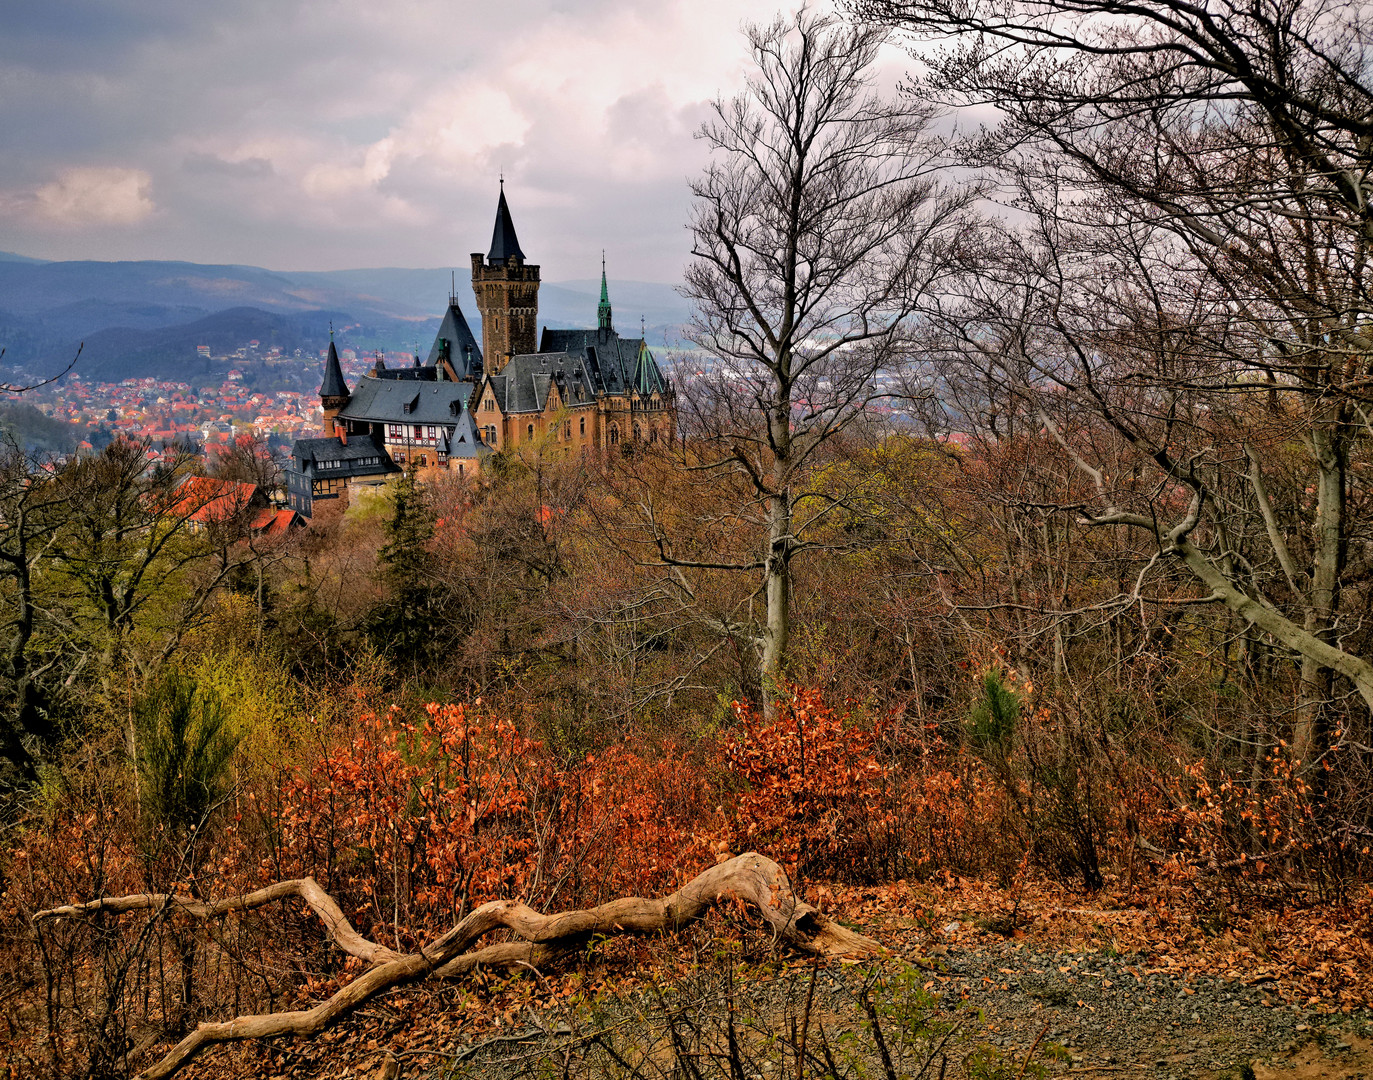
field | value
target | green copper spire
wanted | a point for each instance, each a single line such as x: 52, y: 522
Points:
x: 603, y: 308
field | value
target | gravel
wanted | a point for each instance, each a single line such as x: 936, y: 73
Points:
x: 1110, y: 1014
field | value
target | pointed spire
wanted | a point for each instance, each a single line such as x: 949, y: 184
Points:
x: 504, y: 244
x: 333, y: 384
x: 603, y: 308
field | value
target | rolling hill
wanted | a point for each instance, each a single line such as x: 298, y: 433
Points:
x: 145, y: 318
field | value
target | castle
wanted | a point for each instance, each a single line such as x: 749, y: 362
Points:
x: 579, y: 391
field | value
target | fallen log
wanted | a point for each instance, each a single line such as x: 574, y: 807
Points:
x: 751, y: 879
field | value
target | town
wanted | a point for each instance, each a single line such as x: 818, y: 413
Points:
x: 262, y: 393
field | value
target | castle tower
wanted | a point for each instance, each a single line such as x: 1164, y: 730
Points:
x: 333, y: 391
x: 507, y: 291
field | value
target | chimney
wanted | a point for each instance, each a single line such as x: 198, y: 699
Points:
x: 342, y: 430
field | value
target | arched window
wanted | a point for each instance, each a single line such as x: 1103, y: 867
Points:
x: 531, y: 431
x: 638, y: 434
x: 614, y: 434
x: 583, y: 425
x: 653, y: 435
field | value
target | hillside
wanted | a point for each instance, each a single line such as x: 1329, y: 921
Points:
x: 34, y: 431
x: 136, y: 316
x: 125, y: 352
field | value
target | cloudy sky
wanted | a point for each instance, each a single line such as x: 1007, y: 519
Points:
x: 325, y: 134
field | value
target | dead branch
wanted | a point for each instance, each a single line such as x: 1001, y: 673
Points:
x: 11, y: 388
x: 751, y: 879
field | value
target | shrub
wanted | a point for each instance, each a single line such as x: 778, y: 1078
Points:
x: 815, y: 798
x: 185, y: 745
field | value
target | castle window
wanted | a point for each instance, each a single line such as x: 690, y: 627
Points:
x: 531, y: 431
x: 394, y: 431
x: 430, y: 432
x: 652, y: 434
x: 614, y: 434
x: 583, y: 423
x: 419, y: 432
x: 490, y: 405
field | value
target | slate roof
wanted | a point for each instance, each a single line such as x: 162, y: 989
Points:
x: 386, y: 401
x: 504, y: 244
x: 462, y: 348
x: 464, y: 442
x: 524, y: 383
x: 359, y: 448
x: 616, y: 364
x: 333, y: 384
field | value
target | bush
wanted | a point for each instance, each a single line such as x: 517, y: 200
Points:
x: 185, y: 745
x: 816, y: 796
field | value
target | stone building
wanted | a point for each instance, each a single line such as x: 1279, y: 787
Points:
x: 574, y: 392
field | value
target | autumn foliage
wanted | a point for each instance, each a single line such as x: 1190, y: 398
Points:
x: 815, y: 789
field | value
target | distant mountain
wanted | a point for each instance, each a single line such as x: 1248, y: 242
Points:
x: 9, y: 256
x: 561, y: 303
x: 125, y: 353
x: 120, y: 308
x: 32, y: 288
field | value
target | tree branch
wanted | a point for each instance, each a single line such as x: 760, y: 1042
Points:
x: 751, y: 879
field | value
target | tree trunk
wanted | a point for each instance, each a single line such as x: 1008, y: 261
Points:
x: 750, y: 878
x: 1329, y: 450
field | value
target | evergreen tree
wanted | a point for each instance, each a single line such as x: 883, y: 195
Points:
x: 407, y: 623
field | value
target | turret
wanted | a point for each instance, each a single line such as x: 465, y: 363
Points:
x: 603, y: 322
x: 333, y: 391
x: 507, y: 291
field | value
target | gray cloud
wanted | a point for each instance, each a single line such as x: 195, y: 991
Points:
x: 318, y: 134
x: 247, y: 169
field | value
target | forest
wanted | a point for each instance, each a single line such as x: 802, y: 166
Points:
x: 1017, y: 541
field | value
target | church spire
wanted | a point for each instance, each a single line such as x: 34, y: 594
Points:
x: 504, y: 244
x: 603, y: 308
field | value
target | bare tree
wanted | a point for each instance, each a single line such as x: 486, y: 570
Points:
x: 31, y: 504
x: 816, y: 228
x: 248, y: 460
x: 1191, y: 294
